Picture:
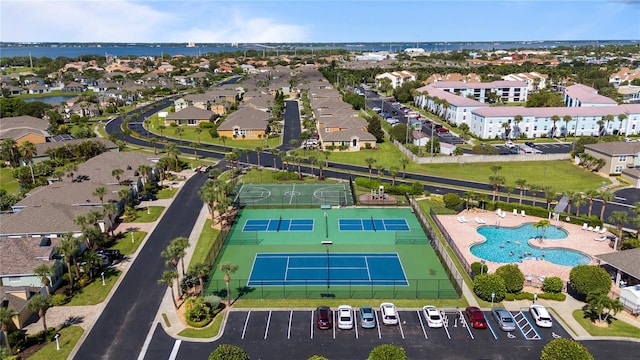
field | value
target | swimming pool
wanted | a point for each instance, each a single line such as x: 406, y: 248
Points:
x: 508, y: 245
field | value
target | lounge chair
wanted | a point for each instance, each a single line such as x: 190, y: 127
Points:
x: 482, y: 221
x: 460, y: 219
x: 478, y: 220
x: 515, y: 212
x: 603, y: 238
x: 463, y: 219
x: 585, y: 226
x: 603, y: 231
x: 522, y: 213
x: 596, y: 229
x: 590, y: 228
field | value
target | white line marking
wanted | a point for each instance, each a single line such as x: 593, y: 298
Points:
x: 334, y: 316
x: 424, y: 331
x: 312, y: 311
x: 355, y: 321
x: 377, y: 324
x: 292, y: 195
x: 446, y: 326
x: 266, y: 329
x: 246, y: 321
x: 147, y: 341
x: 174, y: 351
x: 289, y: 330
x: 366, y: 261
x: 286, y: 269
x: 400, y: 325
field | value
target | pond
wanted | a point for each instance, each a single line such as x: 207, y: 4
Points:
x: 51, y: 100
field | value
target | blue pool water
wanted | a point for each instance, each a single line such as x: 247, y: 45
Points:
x: 508, y: 245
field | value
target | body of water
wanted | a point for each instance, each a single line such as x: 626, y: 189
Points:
x: 51, y: 100
x: 73, y: 50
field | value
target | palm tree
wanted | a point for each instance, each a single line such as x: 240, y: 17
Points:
x: 168, y: 277
x: 10, y: 153
x: 621, y: 118
x: 534, y: 191
x: 590, y: 195
x: 153, y: 142
x: 27, y: 151
x: 298, y: 161
x: 116, y: 173
x: 608, y: 119
x: 517, y: 120
x: 198, y: 130
x: 507, y: 128
x: 404, y: 162
x: 68, y: 248
x: 40, y: 303
x: 228, y: 268
x: 601, y: 128
x: 393, y: 171
x: 578, y: 200
x: 326, y: 158
x: 605, y: 196
x: 370, y: 161
x: 44, y: 272
x: 521, y: 183
x: 604, y: 306
x: 618, y: 218
x: 172, y: 152
x: 567, y: 119
x: 195, y: 147
x: 209, y: 193
x: 380, y: 169
x: 100, y: 192
x: 508, y: 189
x: 6, y: 320
x: 179, y: 131
x: 570, y: 196
x: 496, y: 183
x: 549, y: 194
x: 258, y: 151
x: 201, y: 270
x: 224, y: 139
x: 495, y: 169
x: 274, y: 155
x: 542, y: 225
x: 182, y: 243
x: 554, y: 119
x: 70, y: 169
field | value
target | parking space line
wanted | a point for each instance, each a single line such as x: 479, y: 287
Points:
x: 334, y: 315
x: 445, y: 320
x: 400, y: 325
x: 312, y: 311
x: 355, y: 321
x: 266, y: 329
x: 377, y: 324
x: 464, y: 323
x: 495, y: 336
x: 424, y: 331
x: 526, y: 327
x: 246, y: 321
x: 174, y: 351
x: 289, y: 330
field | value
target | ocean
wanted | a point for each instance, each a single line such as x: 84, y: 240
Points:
x: 73, y: 50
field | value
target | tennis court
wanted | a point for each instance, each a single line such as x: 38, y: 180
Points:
x: 292, y: 195
x: 372, y: 224
x: 327, y: 269
x: 279, y: 224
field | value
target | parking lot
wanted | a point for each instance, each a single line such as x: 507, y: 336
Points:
x: 297, y: 325
x: 544, y: 148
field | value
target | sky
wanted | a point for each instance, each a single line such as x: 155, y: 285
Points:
x: 287, y: 21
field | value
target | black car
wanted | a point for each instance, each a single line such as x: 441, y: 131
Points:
x: 112, y: 254
x: 530, y: 144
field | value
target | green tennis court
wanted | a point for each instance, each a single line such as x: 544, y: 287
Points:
x: 292, y: 195
x: 320, y: 233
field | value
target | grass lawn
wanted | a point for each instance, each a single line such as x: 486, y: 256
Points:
x: 125, y: 245
x: 7, y: 181
x: 68, y: 338
x: 147, y: 214
x: 265, y: 176
x: 167, y: 193
x: 95, y: 292
x: 616, y: 328
x: 207, y: 236
x: 438, y: 207
x: 205, y: 333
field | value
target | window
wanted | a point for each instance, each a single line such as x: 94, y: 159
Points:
x: 618, y: 169
x: 622, y: 158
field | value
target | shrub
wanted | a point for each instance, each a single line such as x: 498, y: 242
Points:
x: 59, y: 299
x: 630, y: 244
x: 586, y: 279
x: 213, y: 301
x: 228, y: 352
x: 512, y: 276
x: 387, y: 352
x: 477, y: 268
x: 418, y: 189
x: 452, y: 200
x: 317, y: 357
x: 206, y: 125
x: 553, y: 296
x: 565, y: 349
x: 509, y: 297
x: 552, y: 285
x: 285, y: 176
x: 485, y: 284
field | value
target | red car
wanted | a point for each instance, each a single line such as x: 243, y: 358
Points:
x: 324, y: 317
x: 476, y: 317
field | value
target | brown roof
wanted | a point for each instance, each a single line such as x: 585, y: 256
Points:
x: 347, y: 135
x: 24, y: 121
x: 191, y: 113
x: 21, y: 255
x: 626, y: 260
x: 246, y: 118
x: 615, y: 148
x: 42, y: 148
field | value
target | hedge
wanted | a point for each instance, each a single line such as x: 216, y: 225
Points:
x: 400, y: 189
x: 529, y: 296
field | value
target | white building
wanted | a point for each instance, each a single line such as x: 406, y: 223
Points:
x: 535, y: 81
x: 582, y: 95
x: 397, y: 77
x: 508, y: 91
x: 454, y: 109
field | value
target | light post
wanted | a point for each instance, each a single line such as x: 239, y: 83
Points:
x: 535, y: 297
x: 493, y: 296
x: 57, y: 336
x: 482, y: 262
x: 102, y: 276
x: 132, y: 237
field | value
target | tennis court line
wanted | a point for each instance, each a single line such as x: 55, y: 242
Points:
x: 292, y: 194
x: 286, y: 269
x: 366, y: 261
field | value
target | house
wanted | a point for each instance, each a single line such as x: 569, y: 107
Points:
x: 352, y: 139
x: 74, y: 87
x: 534, y: 80
x: 56, y: 142
x: 507, y: 91
x: 397, y: 78
x: 624, y: 75
x: 190, y: 115
x: 24, y: 128
x: 630, y: 93
x: 581, y: 95
x: 16, y: 298
x: 245, y: 123
x: 618, y: 156
x: 623, y: 266
x: 420, y: 138
x: 458, y: 108
x: 20, y: 255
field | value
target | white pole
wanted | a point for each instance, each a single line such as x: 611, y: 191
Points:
x: 132, y: 237
x: 102, y: 275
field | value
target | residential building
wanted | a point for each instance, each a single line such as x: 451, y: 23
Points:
x: 624, y: 75
x: 507, y: 91
x: 246, y: 123
x: 397, y: 78
x: 581, y: 95
x: 453, y: 108
x: 619, y: 156
x: 24, y: 128
x: 190, y: 115
x: 534, y: 80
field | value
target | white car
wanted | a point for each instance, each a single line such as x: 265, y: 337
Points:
x: 434, y: 319
x: 541, y: 316
x: 389, y: 314
x: 345, y: 317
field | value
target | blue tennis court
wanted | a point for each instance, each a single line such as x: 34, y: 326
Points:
x: 325, y: 269
x: 371, y: 224
x: 278, y: 225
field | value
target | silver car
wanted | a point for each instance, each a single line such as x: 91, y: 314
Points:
x: 504, y: 319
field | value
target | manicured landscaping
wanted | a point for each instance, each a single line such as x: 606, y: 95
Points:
x: 7, y: 181
x: 147, y: 214
x: 69, y: 336
x: 207, y: 236
x: 616, y: 327
x: 167, y: 193
x: 95, y: 292
x: 205, y: 333
x: 264, y: 176
x: 125, y: 245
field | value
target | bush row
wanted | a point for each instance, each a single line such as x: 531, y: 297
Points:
x: 400, y: 189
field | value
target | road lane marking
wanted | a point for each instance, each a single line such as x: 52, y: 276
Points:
x: 174, y: 351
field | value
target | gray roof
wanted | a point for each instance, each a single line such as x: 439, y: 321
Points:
x: 246, y: 118
x: 43, y: 219
x: 615, y: 148
x: 626, y: 261
x: 99, y: 168
x: 347, y: 135
x: 71, y: 193
x: 42, y: 148
x: 191, y: 113
x: 21, y: 255
x: 20, y: 122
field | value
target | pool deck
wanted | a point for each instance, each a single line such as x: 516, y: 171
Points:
x: 465, y: 234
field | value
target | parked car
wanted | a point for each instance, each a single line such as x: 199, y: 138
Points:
x: 541, y: 316
x: 367, y: 317
x: 434, y: 319
x: 324, y: 316
x: 476, y: 317
x: 345, y: 317
x: 112, y: 254
x: 442, y: 130
x: 509, y: 144
x: 389, y: 314
x: 530, y: 144
x: 377, y: 110
x: 504, y: 319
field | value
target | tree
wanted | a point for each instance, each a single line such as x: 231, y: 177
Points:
x: 100, y: 192
x: 603, y: 306
x: 495, y: 169
x: 210, y: 193
x: 153, y: 141
x: 565, y: 349
x: 68, y: 248
x: 27, y: 151
x: 179, y: 131
x: 521, y: 183
x: 6, y: 320
x: 618, y: 218
x: 9, y: 152
x: 404, y: 162
x: 258, y: 150
x: 40, y: 303
x: 173, y: 152
x: 195, y: 147
x: 313, y: 161
x: 387, y: 352
x: 554, y: 119
x: 496, y: 182
x: 590, y: 195
x: 578, y: 201
x: 552, y: 284
x: 198, y: 130
x: 181, y: 243
x: 512, y: 276
x: 485, y: 284
x: 588, y: 279
x: 549, y: 195
x: 542, y: 226
x: 228, y: 352
x: 566, y: 119
x: 370, y: 161
x: 534, y: 191
x: 44, y: 272
x: 224, y: 139
x: 393, y: 171
x: 621, y: 118
x: 605, y: 196
x: 228, y: 268
x: 116, y: 173
x: 168, y: 277
x: 200, y: 270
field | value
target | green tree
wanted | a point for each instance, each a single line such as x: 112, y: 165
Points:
x: 44, y: 272
x: 590, y: 195
x: 521, y: 184
x: 542, y: 226
x: 618, y: 218
x: 100, y: 192
x: 116, y: 173
x: 370, y: 162
x: 179, y: 131
x: 168, y: 277
x: 68, y: 248
x: 606, y: 196
x: 27, y: 151
x: 603, y: 307
x: 565, y: 349
x: 228, y: 268
x: 566, y: 119
x: 40, y: 304
x: 228, y: 352
x: 590, y: 279
x: 6, y: 320
x: 485, y: 284
x: 512, y: 276
x: 200, y: 270
x: 552, y: 284
x: 387, y: 352
x: 404, y: 162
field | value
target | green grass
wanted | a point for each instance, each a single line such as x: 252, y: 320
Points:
x: 616, y: 328
x: 167, y: 193
x: 206, y: 333
x: 265, y: 176
x: 69, y: 336
x: 207, y: 236
x: 95, y: 292
x: 148, y: 214
x: 7, y: 181
x: 125, y: 245
x: 438, y: 207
